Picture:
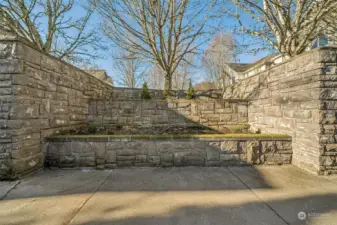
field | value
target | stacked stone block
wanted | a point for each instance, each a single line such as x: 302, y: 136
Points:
x: 215, y: 114
x: 9, y: 66
x: 128, y: 94
x: 39, y: 96
x: 114, y: 152
x: 328, y: 113
x: 297, y: 98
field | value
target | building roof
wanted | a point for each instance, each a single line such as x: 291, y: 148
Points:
x: 242, y: 67
x: 205, y: 85
x: 264, y: 60
x: 239, y: 67
x: 100, y: 74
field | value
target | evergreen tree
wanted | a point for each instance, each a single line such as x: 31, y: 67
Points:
x: 190, y: 92
x: 145, y: 92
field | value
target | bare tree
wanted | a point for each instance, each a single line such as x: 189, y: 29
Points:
x: 180, y: 77
x: 288, y: 26
x: 221, y: 51
x: 155, y: 77
x: 162, y: 31
x: 184, y: 73
x: 129, y: 70
x: 50, y: 26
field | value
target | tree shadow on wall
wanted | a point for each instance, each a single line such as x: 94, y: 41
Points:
x: 248, y: 89
x: 198, y: 113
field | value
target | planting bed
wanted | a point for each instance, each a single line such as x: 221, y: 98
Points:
x: 173, y: 130
x: 119, y: 130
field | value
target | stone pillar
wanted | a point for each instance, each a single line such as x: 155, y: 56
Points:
x: 328, y: 112
x: 9, y: 65
x: 20, y: 149
x: 297, y: 97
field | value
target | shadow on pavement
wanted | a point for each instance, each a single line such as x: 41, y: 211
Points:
x: 156, y: 196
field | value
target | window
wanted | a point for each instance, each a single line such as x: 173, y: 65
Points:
x: 323, y: 41
x: 320, y: 41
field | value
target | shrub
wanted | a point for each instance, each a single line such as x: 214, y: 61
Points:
x: 92, y: 129
x: 190, y: 92
x: 145, y: 92
x: 167, y: 94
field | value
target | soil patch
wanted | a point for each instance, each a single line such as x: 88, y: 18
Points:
x: 142, y: 130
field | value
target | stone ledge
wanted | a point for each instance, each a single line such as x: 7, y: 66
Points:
x: 206, y: 137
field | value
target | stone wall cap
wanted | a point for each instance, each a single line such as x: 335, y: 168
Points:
x: 312, y: 51
x: 10, y: 36
x: 205, y: 137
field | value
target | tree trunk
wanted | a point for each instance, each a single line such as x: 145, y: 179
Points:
x: 168, y: 83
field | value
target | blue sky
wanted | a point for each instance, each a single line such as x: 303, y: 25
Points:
x: 226, y: 24
x: 106, y: 64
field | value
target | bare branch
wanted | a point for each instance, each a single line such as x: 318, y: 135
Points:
x: 287, y: 25
x: 160, y: 31
x: 47, y: 22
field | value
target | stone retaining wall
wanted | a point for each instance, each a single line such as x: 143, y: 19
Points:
x: 126, y: 108
x: 328, y: 116
x: 298, y: 98
x: 129, y: 94
x: 39, y: 96
x: 216, y: 114
x: 165, y: 151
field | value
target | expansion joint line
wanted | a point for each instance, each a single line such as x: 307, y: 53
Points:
x: 264, y: 202
x: 10, y: 189
x: 86, y: 200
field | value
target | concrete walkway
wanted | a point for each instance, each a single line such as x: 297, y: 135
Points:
x: 156, y: 196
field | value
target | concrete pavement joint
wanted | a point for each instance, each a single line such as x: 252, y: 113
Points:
x: 86, y: 200
x: 271, y: 208
x: 10, y: 189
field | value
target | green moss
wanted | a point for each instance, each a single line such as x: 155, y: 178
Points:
x: 241, y: 128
